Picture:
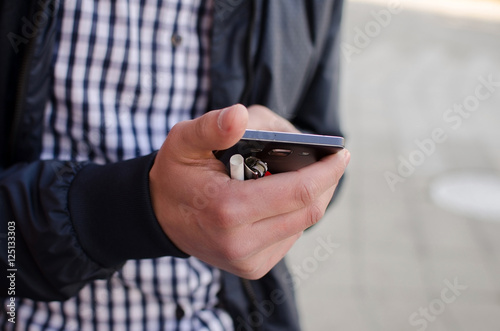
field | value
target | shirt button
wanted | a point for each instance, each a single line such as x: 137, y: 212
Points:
x: 176, y: 40
x: 179, y: 312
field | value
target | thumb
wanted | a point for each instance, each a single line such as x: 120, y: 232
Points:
x: 215, y: 130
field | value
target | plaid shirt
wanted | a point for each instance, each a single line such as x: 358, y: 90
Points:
x: 124, y: 72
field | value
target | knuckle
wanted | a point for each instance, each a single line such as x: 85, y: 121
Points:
x: 314, y: 214
x: 231, y: 253
x: 229, y: 208
x: 200, y: 128
x: 307, y: 192
x: 222, y: 218
x: 204, y: 127
x: 175, y: 136
x: 225, y: 215
x: 176, y: 131
x: 234, y: 251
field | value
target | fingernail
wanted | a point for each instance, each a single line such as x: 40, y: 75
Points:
x: 220, y: 119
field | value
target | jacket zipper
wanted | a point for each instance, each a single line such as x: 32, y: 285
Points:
x: 249, y: 291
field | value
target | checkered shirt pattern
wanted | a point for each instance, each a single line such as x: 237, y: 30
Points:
x: 124, y: 72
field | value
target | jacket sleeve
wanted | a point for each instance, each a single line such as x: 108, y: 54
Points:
x: 73, y: 222
x: 318, y: 111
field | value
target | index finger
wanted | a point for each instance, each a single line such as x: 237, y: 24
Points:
x: 286, y: 192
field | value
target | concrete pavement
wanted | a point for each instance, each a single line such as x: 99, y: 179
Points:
x: 421, y: 101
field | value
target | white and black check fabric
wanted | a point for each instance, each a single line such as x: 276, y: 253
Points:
x: 124, y: 72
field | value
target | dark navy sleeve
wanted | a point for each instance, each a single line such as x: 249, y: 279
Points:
x: 75, y: 222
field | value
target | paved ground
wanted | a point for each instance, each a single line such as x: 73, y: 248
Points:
x: 398, y: 260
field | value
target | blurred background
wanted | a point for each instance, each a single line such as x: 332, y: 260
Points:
x: 413, y: 240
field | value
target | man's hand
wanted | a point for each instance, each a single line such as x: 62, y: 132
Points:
x: 262, y: 118
x: 244, y: 227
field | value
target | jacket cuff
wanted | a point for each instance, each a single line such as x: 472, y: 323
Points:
x: 112, y: 213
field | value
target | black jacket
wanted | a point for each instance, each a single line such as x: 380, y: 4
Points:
x: 78, y: 221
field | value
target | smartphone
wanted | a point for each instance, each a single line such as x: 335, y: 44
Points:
x: 283, y: 151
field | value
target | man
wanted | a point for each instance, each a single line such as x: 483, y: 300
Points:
x: 110, y: 234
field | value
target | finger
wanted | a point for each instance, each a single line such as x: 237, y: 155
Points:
x: 273, y: 254
x: 266, y: 233
x: 259, y: 263
x: 285, y: 192
x: 280, y: 227
x: 262, y: 118
x: 216, y: 130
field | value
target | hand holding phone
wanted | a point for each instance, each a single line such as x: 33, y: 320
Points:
x: 243, y: 227
x: 280, y: 151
